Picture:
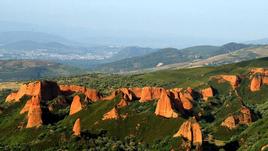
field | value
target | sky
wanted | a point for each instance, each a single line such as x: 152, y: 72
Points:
x: 156, y: 23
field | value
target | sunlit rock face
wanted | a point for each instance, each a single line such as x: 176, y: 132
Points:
x: 244, y: 118
x: 234, y: 80
x: 207, y: 93
x: 45, y: 89
x: 112, y: 114
x: 150, y: 93
x: 164, y: 107
x: 76, y: 105
x: 35, y: 113
x: 77, y: 128
x: 91, y: 94
x: 191, y: 131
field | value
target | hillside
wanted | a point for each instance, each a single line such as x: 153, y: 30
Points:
x: 209, y: 108
x: 14, y: 70
x: 168, y: 56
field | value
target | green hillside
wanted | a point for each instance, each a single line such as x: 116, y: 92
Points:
x: 142, y: 129
x: 14, y: 70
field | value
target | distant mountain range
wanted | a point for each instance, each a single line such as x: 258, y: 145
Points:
x: 169, y: 56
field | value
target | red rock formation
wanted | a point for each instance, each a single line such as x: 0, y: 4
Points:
x: 77, y: 128
x: 35, y: 113
x: 157, y: 92
x: 232, y: 79
x: 150, y: 93
x: 12, y: 97
x: 47, y: 90
x: 136, y: 91
x: 260, y: 71
x: 122, y: 103
x: 164, y: 106
x: 112, y: 114
x: 91, y: 94
x: 186, y: 101
x: 76, y: 105
x: 185, y: 130
x: 127, y: 95
x: 229, y: 122
x: 255, y: 84
x: 26, y: 106
x: 197, y: 134
x: 146, y: 94
x: 30, y: 89
x: 207, y: 93
x: 245, y: 116
x: 190, y: 130
x: 265, y: 80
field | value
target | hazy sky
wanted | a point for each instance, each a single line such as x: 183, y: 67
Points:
x: 168, y: 22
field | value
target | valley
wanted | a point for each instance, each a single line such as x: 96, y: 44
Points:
x: 209, y: 108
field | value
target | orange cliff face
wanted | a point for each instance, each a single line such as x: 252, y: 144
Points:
x: 190, y: 130
x: 45, y: 89
x: 234, y: 80
x: 244, y: 118
x: 76, y: 105
x: 255, y: 83
x: 150, y: 93
x: 77, y: 128
x: 207, y: 93
x: 127, y: 95
x: 35, y: 113
x: 91, y: 94
x: 30, y: 89
x: 136, y: 91
x: 164, y: 107
x: 259, y: 77
x: 112, y: 114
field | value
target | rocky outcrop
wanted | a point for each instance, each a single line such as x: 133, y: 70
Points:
x: 127, y: 95
x: 76, y: 105
x: 186, y: 100
x: 77, y: 128
x: 191, y: 131
x: 30, y: 89
x: 244, y: 118
x: 146, y: 94
x: 150, y: 93
x: 259, y: 77
x: 234, y: 80
x: 26, y: 106
x: 229, y: 122
x: 255, y: 83
x: 164, y: 107
x: 262, y: 71
x: 185, y: 130
x: 112, y: 114
x: 46, y: 89
x: 122, y: 103
x: 35, y: 113
x: 197, y: 134
x: 136, y: 91
x: 207, y: 93
x: 91, y: 94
